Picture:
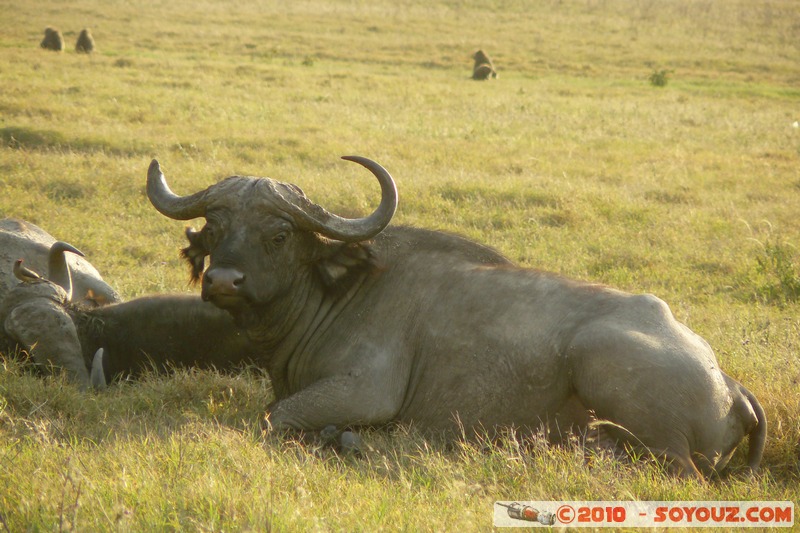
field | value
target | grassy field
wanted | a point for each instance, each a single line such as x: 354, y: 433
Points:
x: 572, y: 161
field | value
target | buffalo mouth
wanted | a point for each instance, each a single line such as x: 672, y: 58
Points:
x: 244, y: 313
x: 231, y: 301
x: 228, y: 302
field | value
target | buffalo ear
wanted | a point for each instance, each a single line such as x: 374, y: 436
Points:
x: 195, y: 254
x: 342, y: 263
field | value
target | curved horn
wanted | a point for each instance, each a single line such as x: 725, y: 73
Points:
x: 57, y: 268
x: 167, y: 202
x: 353, y: 230
x: 97, y: 377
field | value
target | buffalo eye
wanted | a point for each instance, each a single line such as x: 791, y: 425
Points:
x: 210, y: 231
x: 280, y: 238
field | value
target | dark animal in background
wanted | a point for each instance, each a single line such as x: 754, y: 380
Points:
x: 484, y: 68
x: 52, y: 40
x: 358, y: 323
x: 85, y: 42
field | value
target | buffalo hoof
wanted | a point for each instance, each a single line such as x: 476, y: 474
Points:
x: 329, y: 435
x: 344, y: 442
x: 350, y: 443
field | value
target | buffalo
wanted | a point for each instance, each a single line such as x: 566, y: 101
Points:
x: 42, y: 254
x: 362, y: 323
x: 57, y: 309
x: 93, y: 345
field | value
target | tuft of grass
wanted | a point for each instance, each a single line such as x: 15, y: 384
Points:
x: 778, y: 263
x: 659, y: 78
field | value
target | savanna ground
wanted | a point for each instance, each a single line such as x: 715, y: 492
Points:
x: 573, y: 161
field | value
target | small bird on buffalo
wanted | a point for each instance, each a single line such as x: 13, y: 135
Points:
x: 24, y: 273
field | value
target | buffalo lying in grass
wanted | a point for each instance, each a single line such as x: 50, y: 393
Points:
x: 359, y: 323
x: 40, y: 316
x: 42, y: 254
x: 154, y: 332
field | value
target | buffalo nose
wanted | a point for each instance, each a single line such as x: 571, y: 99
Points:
x: 223, y: 281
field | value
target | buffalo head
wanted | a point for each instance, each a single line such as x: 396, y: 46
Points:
x: 265, y: 238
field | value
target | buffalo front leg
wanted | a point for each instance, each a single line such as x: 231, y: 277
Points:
x: 338, y: 400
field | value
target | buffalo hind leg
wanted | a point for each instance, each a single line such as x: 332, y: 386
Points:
x: 678, y: 463
x: 683, y: 466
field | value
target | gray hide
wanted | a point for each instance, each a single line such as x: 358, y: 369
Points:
x: 22, y: 240
x: 358, y: 324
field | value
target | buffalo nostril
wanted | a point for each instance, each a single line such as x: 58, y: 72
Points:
x: 223, y: 281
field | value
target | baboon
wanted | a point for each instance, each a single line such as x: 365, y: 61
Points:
x: 483, y: 69
x: 85, y: 42
x: 52, y: 40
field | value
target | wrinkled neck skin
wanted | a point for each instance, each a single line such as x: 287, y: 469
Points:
x: 270, y: 324
x: 287, y: 324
